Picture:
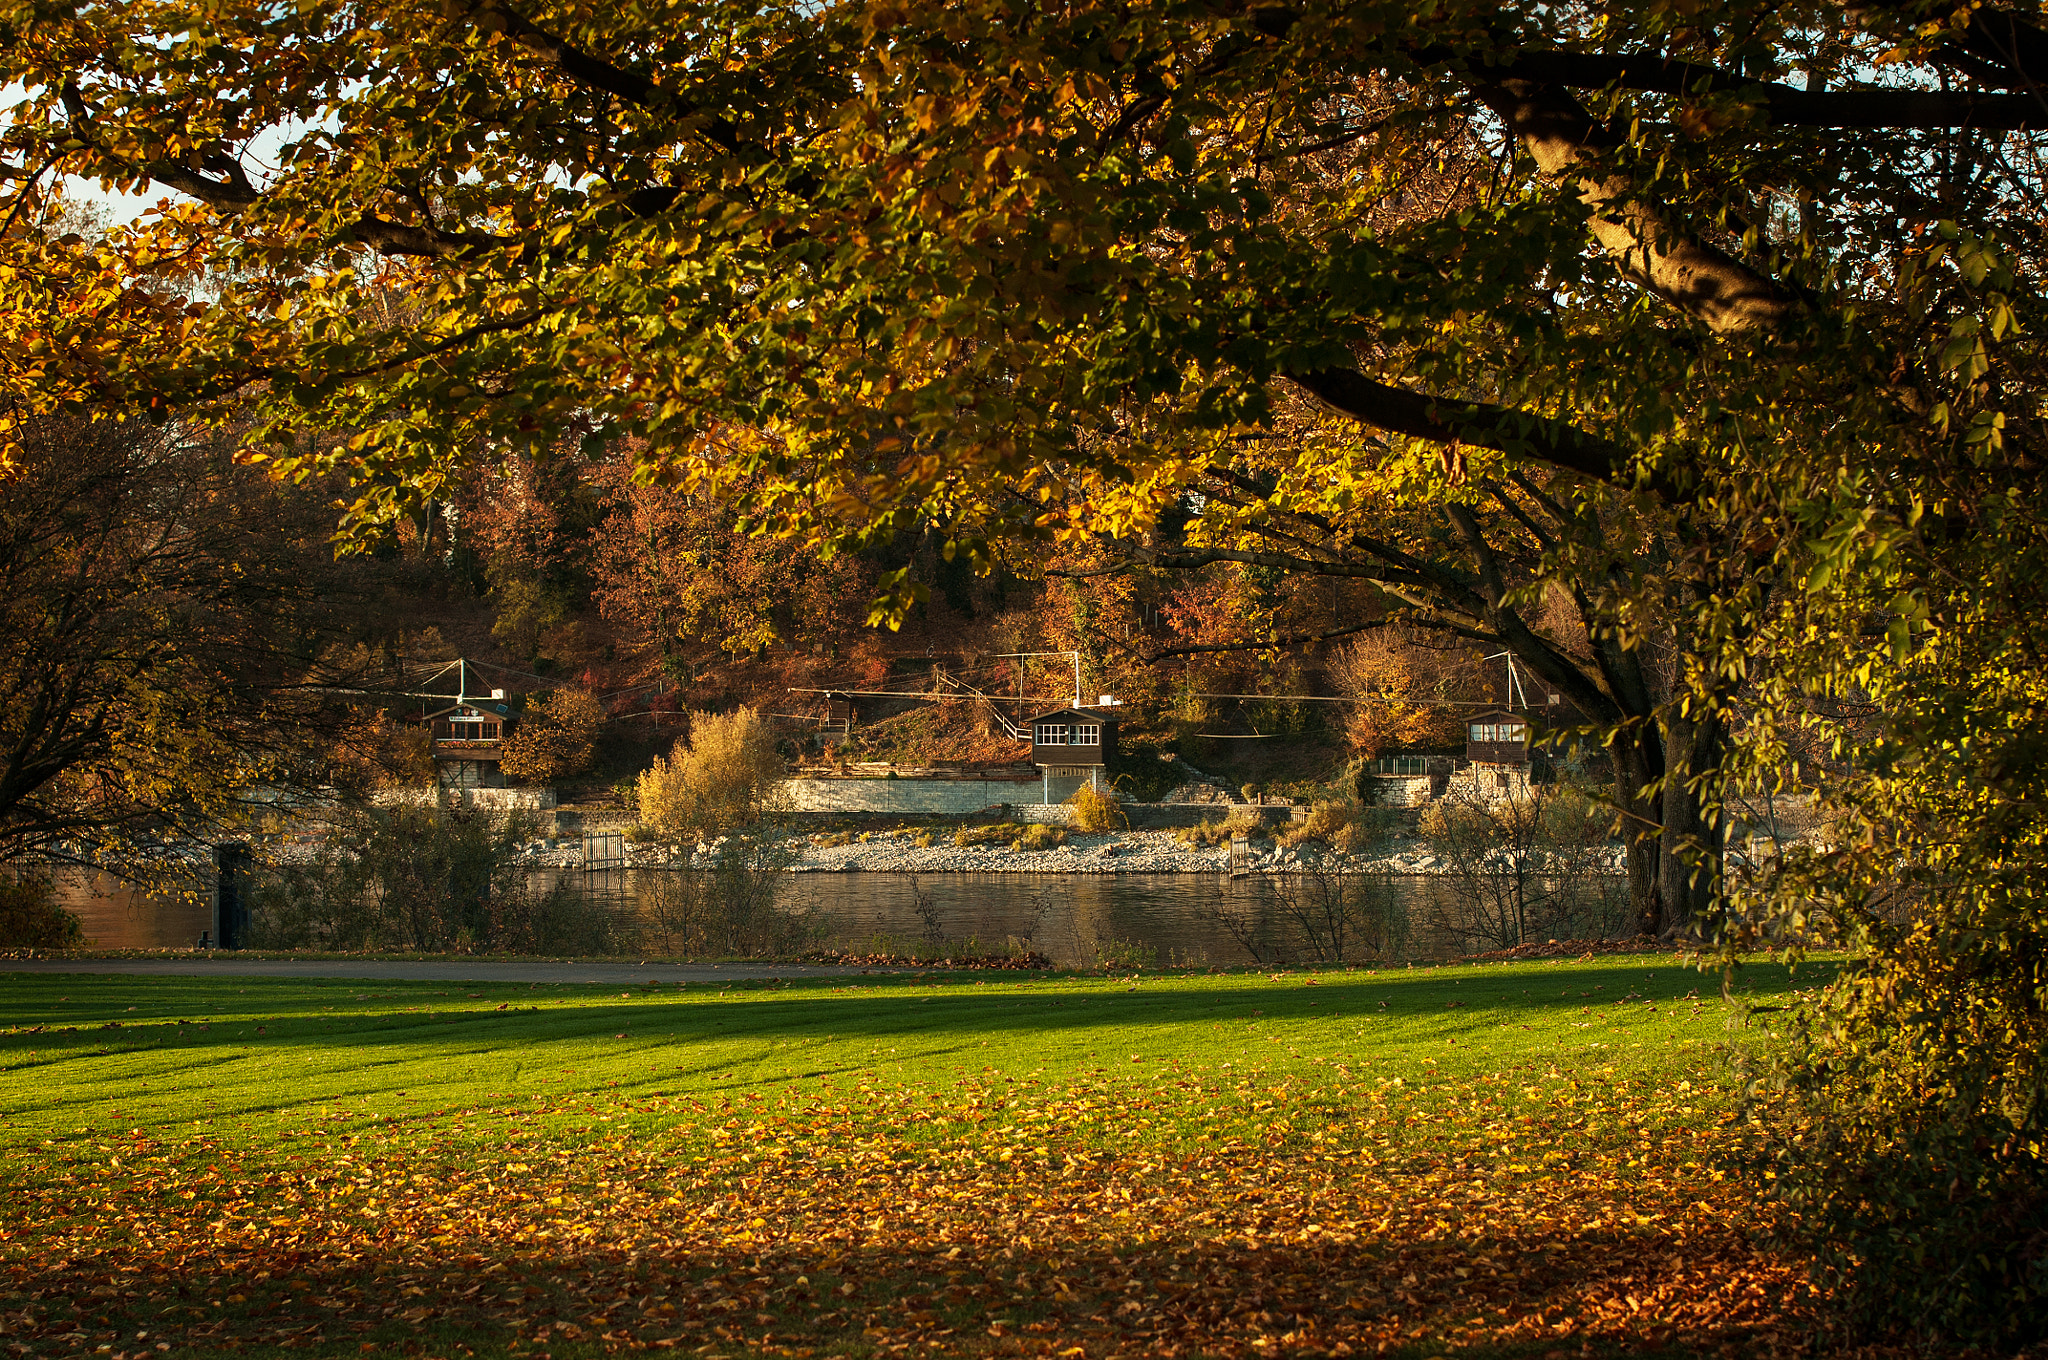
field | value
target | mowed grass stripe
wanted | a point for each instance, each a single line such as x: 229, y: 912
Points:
x: 241, y: 1055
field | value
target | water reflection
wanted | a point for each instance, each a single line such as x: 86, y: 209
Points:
x: 1074, y: 919
x: 118, y: 916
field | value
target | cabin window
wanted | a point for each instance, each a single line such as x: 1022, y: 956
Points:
x: 1052, y: 734
x: 1086, y: 734
x: 472, y: 729
x: 1498, y: 732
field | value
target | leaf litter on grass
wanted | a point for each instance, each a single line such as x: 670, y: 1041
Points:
x: 1255, y: 1215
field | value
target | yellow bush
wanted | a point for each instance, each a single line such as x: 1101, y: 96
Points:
x: 1327, y: 820
x: 1242, y: 823
x: 999, y: 833
x: 1095, y: 810
x: 1038, y: 836
x: 714, y: 780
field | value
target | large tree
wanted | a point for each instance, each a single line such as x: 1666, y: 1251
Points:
x: 172, y: 666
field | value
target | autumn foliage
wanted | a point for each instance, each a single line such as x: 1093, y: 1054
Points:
x: 716, y: 779
x: 556, y: 737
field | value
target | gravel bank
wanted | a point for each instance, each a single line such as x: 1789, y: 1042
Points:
x: 1124, y: 852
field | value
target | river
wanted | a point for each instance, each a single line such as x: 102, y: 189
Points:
x: 1077, y: 920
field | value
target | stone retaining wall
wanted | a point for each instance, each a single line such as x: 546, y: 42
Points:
x: 469, y: 796
x: 1400, y: 790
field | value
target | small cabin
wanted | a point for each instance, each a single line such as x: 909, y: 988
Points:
x: 1497, y: 738
x: 1073, y: 737
x: 839, y: 708
x: 469, y: 742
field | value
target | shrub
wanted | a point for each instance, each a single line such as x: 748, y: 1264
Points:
x: 640, y: 833
x: 1334, y: 917
x: 923, y: 841
x: 716, y: 779
x: 1326, y: 820
x: 31, y: 919
x: 1209, y: 834
x: 1039, y: 836
x: 996, y: 833
x: 1523, y: 867
x: 831, y: 838
x: 1095, y: 810
x: 733, y: 909
x: 433, y: 879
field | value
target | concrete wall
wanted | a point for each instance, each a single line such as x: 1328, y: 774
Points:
x: 537, y: 800
x: 994, y: 798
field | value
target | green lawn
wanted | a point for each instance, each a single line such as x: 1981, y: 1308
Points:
x: 1480, y: 1155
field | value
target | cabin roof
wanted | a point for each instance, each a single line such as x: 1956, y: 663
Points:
x: 1080, y: 714
x: 481, y: 710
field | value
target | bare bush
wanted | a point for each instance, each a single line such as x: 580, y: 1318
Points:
x: 1337, y: 917
x: 1524, y: 866
x: 732, y: 909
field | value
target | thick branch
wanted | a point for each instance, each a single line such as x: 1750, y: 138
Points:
x: 1198, y: 558
x: 1296, y: 640
x: 1534, y: 651
x: 232, y: 193
x: 1449, y: 421
x: 1715, y: 287
x: 599, y: 74
x: 1775, y: 104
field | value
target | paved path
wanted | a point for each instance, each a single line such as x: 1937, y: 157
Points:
x: 482, y: 970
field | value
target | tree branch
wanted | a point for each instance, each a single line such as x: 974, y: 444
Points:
x: 1691, y: 275
x: 1775, y: 104
x: 1299, y: 639
x: 1450, y: 421
x: 598, y: 74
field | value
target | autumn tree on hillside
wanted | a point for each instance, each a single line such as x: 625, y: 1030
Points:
x: 556, y: 737
x: 675, y: 569
x: 1417, y: 689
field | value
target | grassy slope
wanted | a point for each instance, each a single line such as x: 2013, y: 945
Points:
x: 1478, y: 1153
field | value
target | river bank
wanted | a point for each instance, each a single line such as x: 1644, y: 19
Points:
x: 915, y: 850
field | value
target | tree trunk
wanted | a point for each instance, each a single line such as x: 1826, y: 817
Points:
x: 1638, y: 756
x: 1689, y: 849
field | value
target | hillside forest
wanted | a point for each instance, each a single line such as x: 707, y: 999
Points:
x: 563, y: 573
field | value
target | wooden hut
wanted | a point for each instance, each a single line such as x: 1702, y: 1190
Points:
x: 1498, y: 737
x: 469, y: 739
x: 1070, y: 743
